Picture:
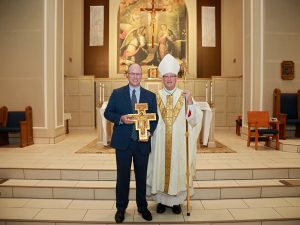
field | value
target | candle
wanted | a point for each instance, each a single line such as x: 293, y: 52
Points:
x: 102, y: 92
x: 206, y: 92
x: 211, y: 92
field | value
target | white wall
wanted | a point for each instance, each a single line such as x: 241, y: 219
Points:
x: 271, y: 35
x: 22, y: 56
x: 31, y: 63
x: 73, y: 37
x: 281, y: 42
x: 231, y: 38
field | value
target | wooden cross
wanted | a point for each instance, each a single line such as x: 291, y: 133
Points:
x: 142, y: 120
x: 153, y: 11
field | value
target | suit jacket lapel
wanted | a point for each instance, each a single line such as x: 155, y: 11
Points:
x: 142, y: 95
x: 127, y: 98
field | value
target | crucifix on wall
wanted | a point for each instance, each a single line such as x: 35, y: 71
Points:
x: 153, y: 11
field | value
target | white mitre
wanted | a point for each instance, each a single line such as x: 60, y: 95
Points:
x: 168, y: 65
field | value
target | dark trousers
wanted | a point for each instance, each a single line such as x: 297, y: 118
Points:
x: 140, y: 162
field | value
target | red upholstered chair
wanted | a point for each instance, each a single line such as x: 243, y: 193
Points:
x: 260, y: 128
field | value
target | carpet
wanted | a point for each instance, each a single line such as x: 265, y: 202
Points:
x: 291, y: 182
x: 93, y: 148
x: 219, y: 148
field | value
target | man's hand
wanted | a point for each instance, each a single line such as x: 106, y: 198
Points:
x: 188, y: 97
x: 126, y: 119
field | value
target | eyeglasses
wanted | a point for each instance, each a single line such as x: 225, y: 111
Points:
x: 169, y: 76
x: 135, y: 74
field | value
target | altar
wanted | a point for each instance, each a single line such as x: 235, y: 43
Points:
x: 206, y: 137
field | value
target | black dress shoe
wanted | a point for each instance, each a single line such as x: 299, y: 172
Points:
x: 176, y: 209
x: 146, y: 214
x: 160, y: 208
x: 119, y: 217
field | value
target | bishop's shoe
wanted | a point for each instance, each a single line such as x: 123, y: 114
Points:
x: 176, y: 209
x: 160, y: 208
x: 146, y: 214
x: 120, y: 216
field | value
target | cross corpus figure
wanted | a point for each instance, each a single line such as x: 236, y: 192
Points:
x: 153, y: 11
x: 142, y: 120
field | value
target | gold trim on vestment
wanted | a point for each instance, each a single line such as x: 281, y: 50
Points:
x: 169, y: 115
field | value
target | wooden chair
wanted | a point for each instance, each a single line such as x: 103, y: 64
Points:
x: 260, y: 128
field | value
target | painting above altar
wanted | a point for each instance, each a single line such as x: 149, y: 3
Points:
x: 150, y: 29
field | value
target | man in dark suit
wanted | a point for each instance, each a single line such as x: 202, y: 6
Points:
x: 125, y: 141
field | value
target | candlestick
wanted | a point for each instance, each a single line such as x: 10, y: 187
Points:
x: 102, y: 92
x: 206, y: 92
x: 211, y: 92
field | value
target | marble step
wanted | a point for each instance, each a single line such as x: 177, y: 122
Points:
x: 262, y: 211
x: 110, y: 174
x: 105, y: 190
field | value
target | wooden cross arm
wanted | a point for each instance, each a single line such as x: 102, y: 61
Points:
x: 152, y: 10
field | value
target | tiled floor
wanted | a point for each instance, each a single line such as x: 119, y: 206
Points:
x: 248, y: 166
x: 95, y: 211
x: 61, y: 155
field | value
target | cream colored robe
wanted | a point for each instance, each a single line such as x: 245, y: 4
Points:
x: 156, y: 166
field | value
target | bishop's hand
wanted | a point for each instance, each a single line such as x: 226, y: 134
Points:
x: 188, y: 97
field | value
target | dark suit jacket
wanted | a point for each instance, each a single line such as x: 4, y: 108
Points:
x: 119, y: 104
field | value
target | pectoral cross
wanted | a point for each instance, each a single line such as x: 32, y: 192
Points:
x: 153, y: 11
x: 142, y: 120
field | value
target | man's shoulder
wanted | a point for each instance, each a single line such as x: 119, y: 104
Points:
x: 147, y: 91
x: 121, y: 89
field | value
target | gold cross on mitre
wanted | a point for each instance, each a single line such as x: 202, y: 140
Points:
x: 142, y: 120
x: 153, y: 11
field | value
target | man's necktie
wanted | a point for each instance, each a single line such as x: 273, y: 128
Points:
x: 134, y: 135
x: 133, y: 100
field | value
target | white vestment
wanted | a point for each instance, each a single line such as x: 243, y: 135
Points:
x: 176, y: 193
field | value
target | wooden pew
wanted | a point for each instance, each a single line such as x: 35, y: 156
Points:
x: 286, y: 108
x: 16, y: 122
